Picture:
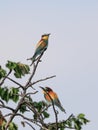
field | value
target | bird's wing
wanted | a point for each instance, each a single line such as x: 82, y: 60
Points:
x: 53, y: 95
x: 47, y: 97
x: 41, y: 44
x: 56, y: 100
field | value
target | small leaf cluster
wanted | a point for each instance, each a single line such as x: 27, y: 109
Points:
x: 9, y: 94
x: 2, y: 73
x: 12, y: 126
x: 74, y: 122
x: 19, y: 69
x: 41, y: 108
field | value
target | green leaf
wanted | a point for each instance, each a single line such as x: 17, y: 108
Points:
x: 18, y: 68
x: 4, y: 94
x: 14, y: 94
x: 35, y: 116
x: 12, y: 126
x: 46, y: 115
x: 69, y: 123
x: 9, y: 94
x: 23, y: 108
x: 11, y: 65
x: 2, y: 73
x: 81, y: 116
x: 39, y: 105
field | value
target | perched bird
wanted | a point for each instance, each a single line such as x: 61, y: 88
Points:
x: 48, y: 91
x: 40, y: 47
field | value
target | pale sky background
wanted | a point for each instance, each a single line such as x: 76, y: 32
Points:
x: 72, y: 54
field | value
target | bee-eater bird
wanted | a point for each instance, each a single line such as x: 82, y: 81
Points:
x: 48, y: 92
x: 40, y: 47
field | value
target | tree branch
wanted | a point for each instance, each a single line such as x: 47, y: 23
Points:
x: 34, y: 70
x: 28, y: 119
x: 14, y: 113
x: 15, y: 82
x: 41, y: 80
x: 60, y: 122
x: 7, y: 107
x: 5, y: 77
x: 25, y: 122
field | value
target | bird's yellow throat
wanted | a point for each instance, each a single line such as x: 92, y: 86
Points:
x: 45, y: 37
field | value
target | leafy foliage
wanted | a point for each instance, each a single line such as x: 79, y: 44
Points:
x: 18, y: 68
x: 72, y: 122
x: 9, y: 94
x: 23, y: 108
x: 24, y: 102
x: 12, y: 126
x: 2, y: 73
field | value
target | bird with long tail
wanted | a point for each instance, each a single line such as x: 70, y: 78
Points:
x: 40, y: 47
x: 50, y: 96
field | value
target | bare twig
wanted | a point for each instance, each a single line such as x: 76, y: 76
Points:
x: 2, y: 102
x: 31, y: 93
x: 25, y: 122
x: 60, y: 122
x: 69, y: 117
x: 45, y: 108
x: 14, y: 113
x: 28, y: 119
x: 42, y: 80
x: 32, y: 108
x: 15, y: 82
x: 5, y: 77
x: 2, y: 105
x: 8, y: 114
x: 34, y: 70
x: 7, y: 107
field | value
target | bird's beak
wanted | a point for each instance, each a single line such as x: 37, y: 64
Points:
x: 48, y: 34
x: 41, y: 87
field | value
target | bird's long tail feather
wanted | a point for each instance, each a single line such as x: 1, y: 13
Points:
x: 62, y: 109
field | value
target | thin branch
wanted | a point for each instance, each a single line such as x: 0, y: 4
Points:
x: 25, y: 122
x: 28, y: 119
x: 4, y: 106
x: 45, y: 108
x: 60, y: 122
x: 41, y: 80
x: 2, y: 102
x: 14, y: 113
x: 32, y: 108
x: 32, y: 121
x: 5, y: 77
x: 31, y: 93
x: 55, y: 113
x: 8, y: 114
x: 34, y: 70
x: 15, y: 82
x: 69, y: 117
